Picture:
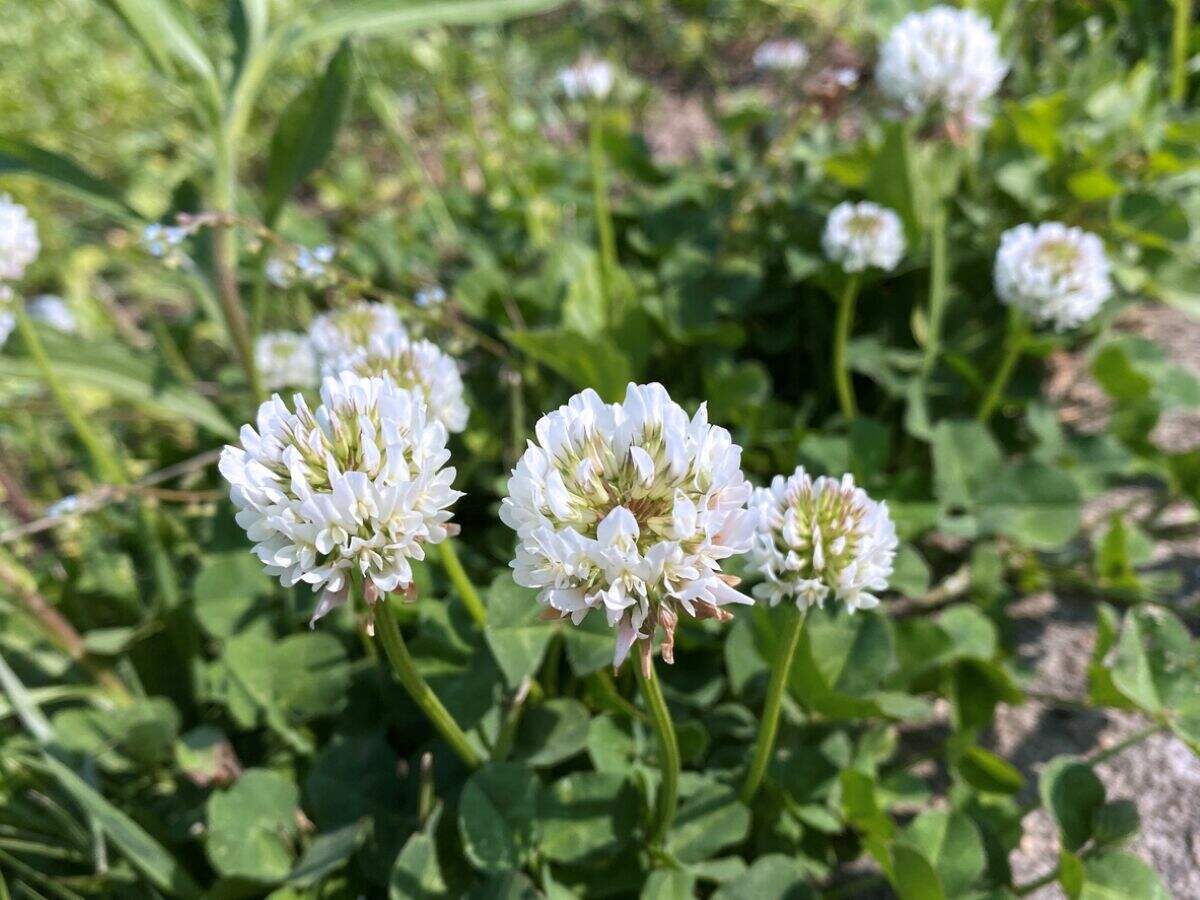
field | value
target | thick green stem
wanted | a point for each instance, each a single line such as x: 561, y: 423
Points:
x: 841, y: 336
x: 462, y: 582
x: 939, y: 271
x: 420, y: 691
x: 668, y: 756
x: 768, y: 726
x: 603, y: 213
x: 1014, y: 343
x: 1179, y: 50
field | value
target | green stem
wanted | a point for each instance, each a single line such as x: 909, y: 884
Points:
x: 1014, y: 343
x: 841, y: 335
x: 420, y: 691
x: 1179, y: 50
x: 225, y: 259
x: 668, y: 755
x: 603, y: 213
x: 938, y: 274
x: 1125, y: 743
x: 769, y: 724
x: 462, y: 582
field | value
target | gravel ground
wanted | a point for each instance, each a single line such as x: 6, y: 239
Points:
x: 1054, y: 636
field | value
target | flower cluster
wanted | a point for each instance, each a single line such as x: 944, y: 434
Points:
x: 858, y: 235
x: 629, y: 508
x: 285, y: 359
x: 357, y: 486
x: 341, y: 331
x: 304, y: 267
x: 822, y: 536
x: 165, y: 242
x: 19, y: 244
x: 781, y: 56
x: 1053, y: 273
x: 428, y: 297
x: 417, y: 365
x: 588, y: 78
x: 53, y: 311
x: 944, y: 61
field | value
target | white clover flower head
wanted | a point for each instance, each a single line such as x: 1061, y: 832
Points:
x: 821, y: 537
x: 8, y: 319
x: 357, y: 487
x: 433, y: 295
x: 19, y: 244
x: 943, y: 61
x: 416, y: 365
x: 285, y: 359
x: 1055, y: 274
x: 588, y: 78
x: 858, y: 235
x: 345, y: 329
x: 629, y: 508
x: 53, y: 311
x: 786, y: 55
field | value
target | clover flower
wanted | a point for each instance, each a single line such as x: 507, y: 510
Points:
x: 629, y: 508
x: 823, y: 536
x: 285, y: 359
x: 1053, y: 273
x: 781, y: 56
x: 53, y: 311
x: 588, y: 78
x: 945, y: 61
x: 417, y: 365
x: 304, y: 267
x: 357, y: 486
x: 19, y: 244
x: 344, y: 330
x: 864, y: 234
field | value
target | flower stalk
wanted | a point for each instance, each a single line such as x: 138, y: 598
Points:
x: 667, y: 799
x: 1179, y: 50
x: 841, y: 336
x: 603, y: 213
x: 939, y: 271
x: 1014, y: 344
x: 768, y: 727
x: 463, y: 585
x: 419, y: 689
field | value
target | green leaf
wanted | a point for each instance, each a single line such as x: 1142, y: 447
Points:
x: 1120, y: 876
x: 227, y: 589
x: 965, y: 459
x: 497, y: 816
x: 18, y: 156
x: 913, y: 876
x: 144, y: 853
x: 168, y: 33
x: 327, y: 853
x: 584, y: 362
x: 587, y: 816
x: 417, y: 873
x: 1156, y: 664
x: 1031, y: 503
x: 708, y: 821
x: 986, y: 771
x: 589, y: 645
x: 307, y: 131
x: 552, y: 732
x: 515, y: 631
x: 380, y: 17
x: 252, y: 827
x: 1152, y: 220
x: 952, y: 844
x: 1072, y: 793
x: 669, y: 884
x: 770, y: 877
x: 1070, y: 874
x: 132, y: 378
x: 893, y: 181
x: 1115, y: 821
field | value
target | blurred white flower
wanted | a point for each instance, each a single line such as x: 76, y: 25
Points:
x: 8, y: 320
x: 781, y: 56
x: 820, y: 537
x: 162, y: 241
x: 434, y: 295
x: 304, y: 267
x: 588, y: 78
x: 863, y: 234
x: 53, y: 311
x: 417, y: 365
x: 285, y: 359
x: 358, y: 485
x: 64, y: 506
x: 19, y: 244
x: 341, y: 331
x: 629, y: 508
x: 944, y: 61
x: 1053, y: 273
